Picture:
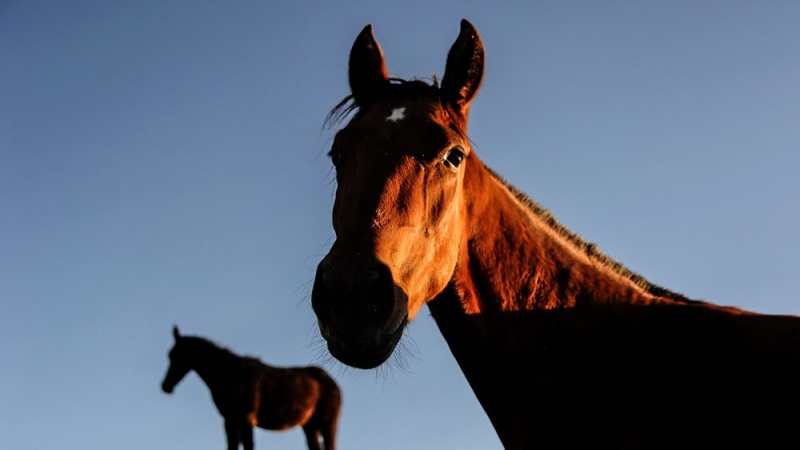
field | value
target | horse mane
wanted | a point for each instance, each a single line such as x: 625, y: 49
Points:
x: 201, y: 344
x: 589, y: 248
x: 397, y: 88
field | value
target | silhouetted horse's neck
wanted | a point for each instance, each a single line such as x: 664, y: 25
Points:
x: 213, y: 364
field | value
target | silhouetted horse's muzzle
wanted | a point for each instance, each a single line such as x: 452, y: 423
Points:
x: 167, y: 387
x: 173, y: 376
x: 360, y: 310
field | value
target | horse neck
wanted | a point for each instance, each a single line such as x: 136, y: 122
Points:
x: 515, y: 259
x: 212, y: 364
x: 518, y: 279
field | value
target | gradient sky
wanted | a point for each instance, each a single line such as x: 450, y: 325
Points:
x: 164, y: 163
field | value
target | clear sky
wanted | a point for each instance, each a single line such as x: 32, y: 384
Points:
x: 164, y: 163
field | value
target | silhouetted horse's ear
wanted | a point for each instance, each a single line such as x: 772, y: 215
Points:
x: 464, y: 70
x: 367, y: 69
x: 175, y: 332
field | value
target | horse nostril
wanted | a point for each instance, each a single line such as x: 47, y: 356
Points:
x: 371, y: 276
x: 341, y: 293
x: 380, y: 292
x: 374, y: 309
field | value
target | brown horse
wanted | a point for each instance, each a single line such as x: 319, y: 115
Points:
x: 249, y: 393
x: 563, y: 346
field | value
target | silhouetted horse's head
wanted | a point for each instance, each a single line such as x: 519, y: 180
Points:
x: 179, y: 364
x: 399, y: 212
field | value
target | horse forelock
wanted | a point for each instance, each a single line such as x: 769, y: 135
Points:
x: 396, y: 89
x: 590, y: 249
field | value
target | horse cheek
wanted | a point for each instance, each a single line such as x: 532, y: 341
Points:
x: 445, y: 241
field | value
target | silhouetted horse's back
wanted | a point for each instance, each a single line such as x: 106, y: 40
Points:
x: 249, y: 393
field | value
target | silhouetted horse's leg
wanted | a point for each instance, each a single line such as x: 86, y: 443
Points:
x: 312, y: 436
x: 328, y: 436
x: 246, y: 434
x: 329, y: 421
x: 232, y: 432
x: 239, y: 431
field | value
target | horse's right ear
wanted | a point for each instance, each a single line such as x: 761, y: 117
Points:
x: 175, y: 332
x: 367, y: 69
x: 464, y: 70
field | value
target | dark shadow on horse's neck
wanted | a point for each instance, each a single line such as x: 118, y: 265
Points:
x: 554, y: 377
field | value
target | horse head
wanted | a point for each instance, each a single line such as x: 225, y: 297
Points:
x: 399, y: 213
x: 178, y: 364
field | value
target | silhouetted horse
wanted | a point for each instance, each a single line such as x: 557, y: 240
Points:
x: 249, y: 393
x: 563, y: 346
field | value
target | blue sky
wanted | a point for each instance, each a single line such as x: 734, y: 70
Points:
x: 163, y: 163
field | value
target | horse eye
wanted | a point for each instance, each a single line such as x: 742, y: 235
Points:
x: 336, y: 156
x: 453, y: 158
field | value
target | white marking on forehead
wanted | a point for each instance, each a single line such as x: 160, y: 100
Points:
x: 397, y: 114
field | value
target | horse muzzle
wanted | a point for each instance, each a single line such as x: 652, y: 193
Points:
x: 360, y: 310
x: 167, y: 387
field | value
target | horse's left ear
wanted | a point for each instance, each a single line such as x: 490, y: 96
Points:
x: 464, y: 70
x: 175, y: 332
x: 367, y: 70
